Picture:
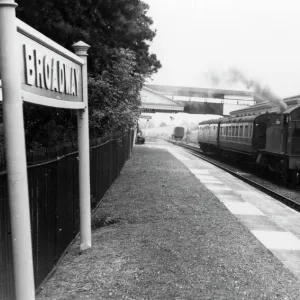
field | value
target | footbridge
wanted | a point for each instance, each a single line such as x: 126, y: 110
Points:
x: 174, y: 99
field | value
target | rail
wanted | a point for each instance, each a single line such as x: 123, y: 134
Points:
x: 287, y: 201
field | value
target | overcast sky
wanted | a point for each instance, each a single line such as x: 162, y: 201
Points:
x: 259, y: 37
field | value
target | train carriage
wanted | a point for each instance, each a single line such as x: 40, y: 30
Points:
x: 270, y: 140
x: 178, y: 133
x: 245, y: 135
x: 208, y: 135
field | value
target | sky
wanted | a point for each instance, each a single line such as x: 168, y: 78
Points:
x: 197, y: 38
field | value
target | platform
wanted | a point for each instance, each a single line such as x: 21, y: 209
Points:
x: 274, y: 224
x: 174, y: 227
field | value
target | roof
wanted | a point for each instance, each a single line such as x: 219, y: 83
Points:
x: 154, y: 101
x: 250, y: 118
x: 264, y: 107
x: 231, y: 120
x: 196, y: 92
x: 291, y: 109
x: 213, y: 121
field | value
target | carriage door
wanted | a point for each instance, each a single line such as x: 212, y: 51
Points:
x: 260, y: 135
x: 285, y: 128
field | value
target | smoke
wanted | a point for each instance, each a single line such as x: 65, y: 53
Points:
x: 263, y: 93
x: 213, y: 78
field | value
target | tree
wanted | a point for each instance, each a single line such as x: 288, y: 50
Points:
x: 119, y: 33
x: 114, y: 96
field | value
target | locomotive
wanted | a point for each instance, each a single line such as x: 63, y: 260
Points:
x: 270, y: 139
x: 178, y: 133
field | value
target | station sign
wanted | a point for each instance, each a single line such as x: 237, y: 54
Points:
x: 50, y: 74
x: 37, y: 70
x: 145, y: 117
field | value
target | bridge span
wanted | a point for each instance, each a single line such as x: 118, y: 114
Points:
x: 174, y: 99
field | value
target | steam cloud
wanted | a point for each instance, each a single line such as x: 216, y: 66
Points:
x: 233, y: 76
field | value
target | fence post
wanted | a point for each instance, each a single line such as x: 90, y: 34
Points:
x: 131, y: 142
x: 134, y: 136
x: 84, y: 155
x: 15, y: 152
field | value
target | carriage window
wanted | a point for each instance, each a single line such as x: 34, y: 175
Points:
x: 241, y: 131
x: 250, y: 131
x: 246, y: 131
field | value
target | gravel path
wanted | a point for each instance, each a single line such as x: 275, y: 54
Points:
x: 160, y: 234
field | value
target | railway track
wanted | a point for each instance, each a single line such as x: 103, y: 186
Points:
x: 284, y: 199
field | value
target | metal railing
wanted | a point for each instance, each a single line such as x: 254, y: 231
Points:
x: 54, y: 202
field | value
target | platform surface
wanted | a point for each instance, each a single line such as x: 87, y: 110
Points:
x: 176, y: 227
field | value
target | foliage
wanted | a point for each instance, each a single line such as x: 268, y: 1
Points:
x: 162, y: 124
x: 119, y: 60
x: 47, y: 127
x: 1, y: 141
x: 1, y: 134
x: 114, y: 96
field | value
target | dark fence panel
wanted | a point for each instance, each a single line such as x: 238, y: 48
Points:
x: 6, y: 267
x: 53, y: 181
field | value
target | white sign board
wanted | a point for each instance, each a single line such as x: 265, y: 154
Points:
x: 50, y: 74
x: 145, y: 117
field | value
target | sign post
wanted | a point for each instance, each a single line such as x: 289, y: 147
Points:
x: 38, y: 70
x: 15, y: 152
x: 84, y: 155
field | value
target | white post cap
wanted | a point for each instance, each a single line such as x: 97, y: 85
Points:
x: 8, y: 3
x: 80, y: 48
